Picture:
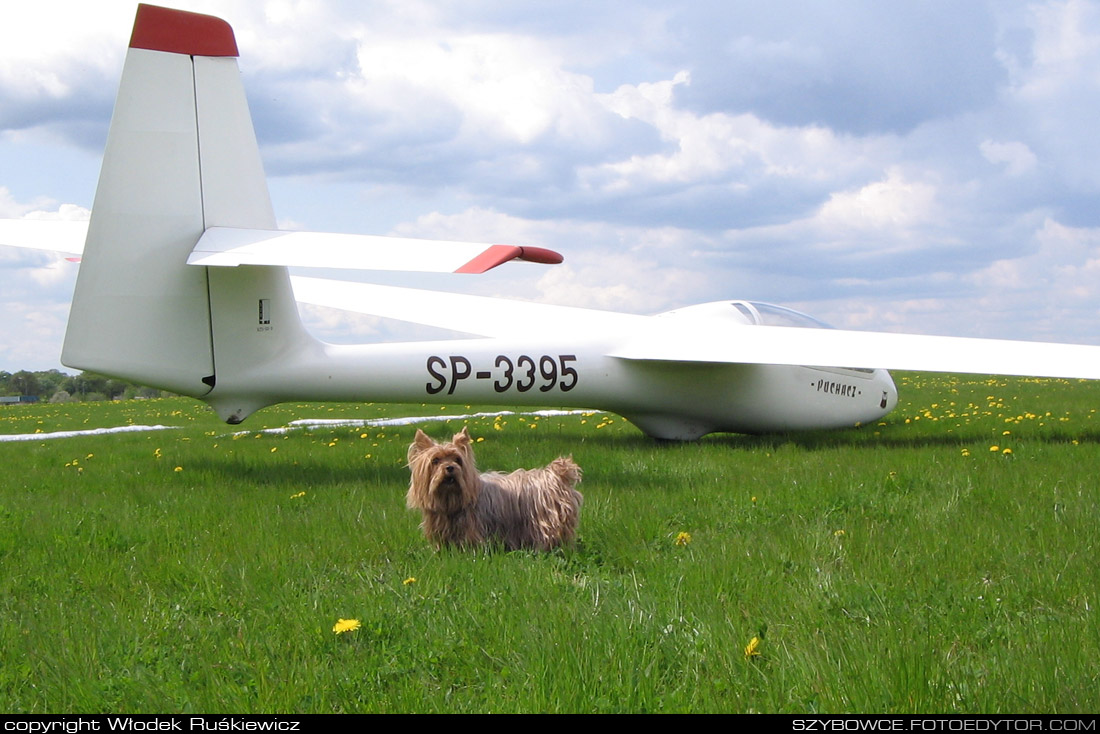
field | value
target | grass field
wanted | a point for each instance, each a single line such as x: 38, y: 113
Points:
x: 944, y: 560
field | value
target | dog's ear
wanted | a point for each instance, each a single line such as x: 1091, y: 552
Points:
x: 462, y: 440
x: 421, y: 443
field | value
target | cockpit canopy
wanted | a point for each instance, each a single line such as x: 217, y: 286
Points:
x: 750, y: 313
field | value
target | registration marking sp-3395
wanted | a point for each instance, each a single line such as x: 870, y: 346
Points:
x: 521, y: 373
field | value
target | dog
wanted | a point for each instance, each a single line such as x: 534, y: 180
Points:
x: 536, y: 509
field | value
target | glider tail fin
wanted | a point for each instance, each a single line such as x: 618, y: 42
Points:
x: 181, y: 156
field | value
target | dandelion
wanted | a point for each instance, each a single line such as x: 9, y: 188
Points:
x: 751, y: 648
x: 839, y: 533
x: 683, y: 538
x: 994, y: 449
x: 409, y: 580
x: 274, y: 449
x: 178, y: 468
x: 1006, y: 452
x: 296, y: 496
x: 346, y: 625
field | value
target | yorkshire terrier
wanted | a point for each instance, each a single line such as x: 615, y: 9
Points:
x: 536, y: 509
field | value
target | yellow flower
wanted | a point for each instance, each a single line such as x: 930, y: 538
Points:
x: 994, y: 449
x: 683, y: 538
x: 346, y: 625
x: 178, y: 468
x: 1006, y: 452
x: 838, y: 533
x: 751, y: 648
x: 409, y: 580
x: 296, y: 496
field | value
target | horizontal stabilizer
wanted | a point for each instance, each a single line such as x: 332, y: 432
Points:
x: 676, y: 341
x: 228, y: 247
x: 493, y: 317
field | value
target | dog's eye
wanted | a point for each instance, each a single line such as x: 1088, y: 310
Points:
x: 435, y: 461
x: 458, y: 461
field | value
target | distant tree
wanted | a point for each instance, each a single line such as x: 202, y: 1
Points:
x: 88, y: 383
x: 50, y: 381
x: 84, y: 386
x: 24, y: 383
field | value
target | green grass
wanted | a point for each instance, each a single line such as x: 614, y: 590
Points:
x: 901, y: 567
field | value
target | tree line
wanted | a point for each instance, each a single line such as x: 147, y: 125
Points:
x: 59, y: 387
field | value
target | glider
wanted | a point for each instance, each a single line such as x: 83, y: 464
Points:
x: 184, y: 285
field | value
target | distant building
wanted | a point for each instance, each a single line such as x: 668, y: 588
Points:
x: 11, y: 399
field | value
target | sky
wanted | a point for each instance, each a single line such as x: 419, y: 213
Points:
x: 927, y: 167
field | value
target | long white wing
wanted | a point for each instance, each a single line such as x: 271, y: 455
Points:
x: 227, y: 247
x: 646, y: 338
x: 679, y: 342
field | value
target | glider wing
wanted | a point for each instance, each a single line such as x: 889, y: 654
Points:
x: 676, y: 341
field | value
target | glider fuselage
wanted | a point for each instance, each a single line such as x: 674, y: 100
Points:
x: 680, y: 401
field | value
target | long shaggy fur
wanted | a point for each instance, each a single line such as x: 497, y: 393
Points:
x: 536, y: 508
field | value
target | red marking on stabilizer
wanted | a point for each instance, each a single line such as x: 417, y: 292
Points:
x: 180, y: 32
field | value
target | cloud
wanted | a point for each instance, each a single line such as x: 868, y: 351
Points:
x: 1053, y: 95
x: 859, y: 68
x: 1016, y: 156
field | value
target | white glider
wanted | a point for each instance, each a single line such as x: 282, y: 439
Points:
x: 184, y: 285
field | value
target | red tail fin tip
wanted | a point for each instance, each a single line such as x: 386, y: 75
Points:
x: 181, y: 32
